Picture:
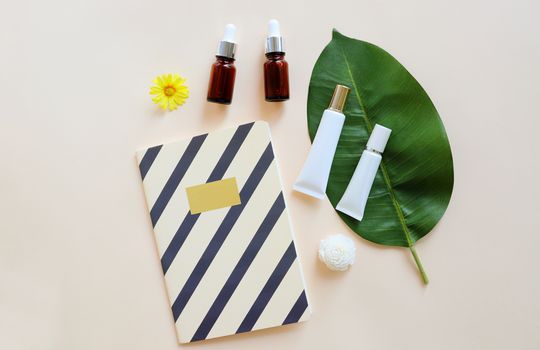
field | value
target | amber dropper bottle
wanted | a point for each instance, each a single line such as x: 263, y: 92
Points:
x: 221, y: 85
x: 276, y: 69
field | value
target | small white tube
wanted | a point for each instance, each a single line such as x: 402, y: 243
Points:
x: 314, y: 175
x: 353, y: 202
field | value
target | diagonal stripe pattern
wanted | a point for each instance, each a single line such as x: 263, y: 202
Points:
x: 218, y: 172
x: 148, y: 159
x: 219, y: 237
x: 268, y: 290
x: 233, y: 270
x: 240, y: 269
x: 297, y: 310
x: 176, y: 176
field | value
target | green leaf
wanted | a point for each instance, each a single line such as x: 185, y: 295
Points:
x: 414, y: 182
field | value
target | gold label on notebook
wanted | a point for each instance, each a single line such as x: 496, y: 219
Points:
x: 213, y: 195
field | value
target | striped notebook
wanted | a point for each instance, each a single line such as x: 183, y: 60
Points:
x: 223, y: 233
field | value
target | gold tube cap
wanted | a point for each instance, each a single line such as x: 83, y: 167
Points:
x: 338, y: 99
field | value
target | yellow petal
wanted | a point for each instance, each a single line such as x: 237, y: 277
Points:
x: 163, y: 103
x: 179, y: 101
x: 178, y: 80
x: 172, y: 105
x: 158, y: 98
x: 160, y: 81
x: 155, y: 90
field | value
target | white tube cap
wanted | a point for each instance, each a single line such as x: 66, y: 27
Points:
x: 378, y: 138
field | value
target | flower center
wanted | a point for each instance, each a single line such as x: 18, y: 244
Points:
x: 169, y: 91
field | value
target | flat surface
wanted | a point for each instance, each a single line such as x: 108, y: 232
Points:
x: 78, y: 261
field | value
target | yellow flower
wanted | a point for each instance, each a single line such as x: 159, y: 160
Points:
x: 170, y: 91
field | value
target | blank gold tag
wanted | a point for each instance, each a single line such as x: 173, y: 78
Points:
x: 213, y: 195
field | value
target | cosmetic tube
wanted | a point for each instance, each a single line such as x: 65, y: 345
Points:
x: 353, y: 202
x: 314, y: 175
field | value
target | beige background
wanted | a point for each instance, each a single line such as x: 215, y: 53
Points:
x: 78, y: 264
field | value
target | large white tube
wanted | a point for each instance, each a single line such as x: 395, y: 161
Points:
x: 353, y: 202
x: 314, y: 175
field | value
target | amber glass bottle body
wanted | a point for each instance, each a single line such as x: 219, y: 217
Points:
x: 221, y: 85
x: 276, y: 77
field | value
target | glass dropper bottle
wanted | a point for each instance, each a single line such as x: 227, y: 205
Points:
x: 276, y: 69
x: 223, y: 73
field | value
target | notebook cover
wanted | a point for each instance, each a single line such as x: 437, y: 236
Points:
x: 230, y: 266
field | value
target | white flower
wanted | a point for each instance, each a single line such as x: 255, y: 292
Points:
x: 337, y: 252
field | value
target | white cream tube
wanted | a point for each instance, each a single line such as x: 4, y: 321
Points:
x: 353, y: 202
x: 314, y: 175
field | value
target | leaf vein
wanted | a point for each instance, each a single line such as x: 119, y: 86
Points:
x: 387, y: 181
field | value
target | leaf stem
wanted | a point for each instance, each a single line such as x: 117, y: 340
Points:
x: 423, y: 274
x: 399, y: 211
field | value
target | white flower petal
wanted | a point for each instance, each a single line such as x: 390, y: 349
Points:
x: 338, y: 252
